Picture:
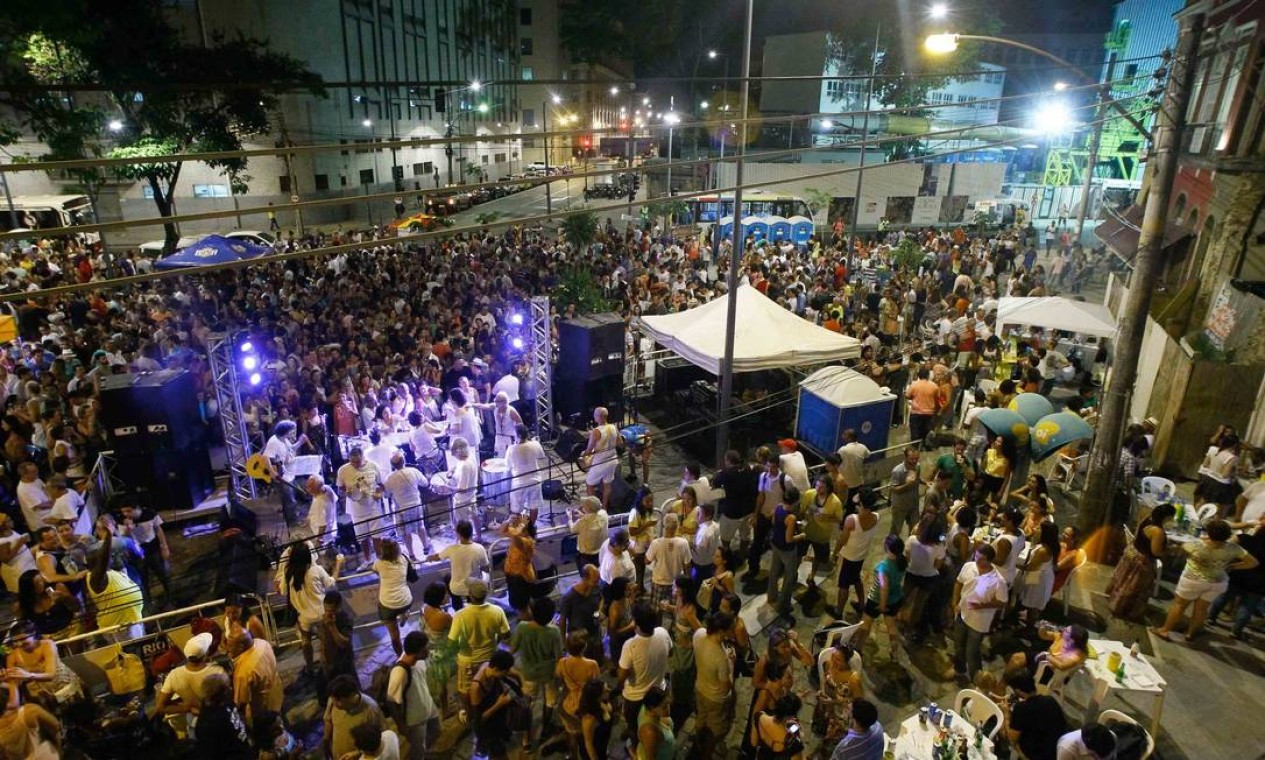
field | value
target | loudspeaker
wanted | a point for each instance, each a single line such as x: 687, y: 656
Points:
x: 151, y: 411
x: 577, y: 396
x: 676, y: 374
x: 569, y: 445
x: 622, y: 496
x: 167, y: 479
x: 591, y: 347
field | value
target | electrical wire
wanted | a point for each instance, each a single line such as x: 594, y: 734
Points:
x: 536, y: 219
x: 388, y: 195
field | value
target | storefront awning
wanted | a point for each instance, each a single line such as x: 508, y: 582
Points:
x: 1120, y: 233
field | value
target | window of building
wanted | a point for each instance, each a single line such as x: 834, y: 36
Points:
x: 342, y: 180
x: 524, y: 16
x: 525, y: 46
x: 484, y: 158
x: 529, y: 117
x: 210, y: 191
x: 147, y: 192
x: 366, y: 176
x: 321, y: 181
x: 528, y: 74
x: 1130, y: 71
x: 499, y: 158
x: 283, y: 183
x: 423, y: 169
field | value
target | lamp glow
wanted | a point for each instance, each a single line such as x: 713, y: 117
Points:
x: 939, y: 10
x: 249, y: 363
x: 1053, y: 117
x: 941, y: 43
x: 483, y: 108
x: 367, y: 123
x: 704, y: 105
x: 671, y: 118
x: 115, y: 125
x: 827, y: 124
x: 247, y: 347
x: 476, y: 85
x: 712, y: 54
x: 517, y: 343
x: 516, y: 319
x: 256, y: 378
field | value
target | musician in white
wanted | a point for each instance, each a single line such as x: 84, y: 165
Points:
x: 603, y: 458
x: 463, y: 422
x: 361, y: 483
x: 280, y: 451
x: 380, y: 451
x: 463, y: 479
x: 404, y: 486
x: 322, y: 517
x: 422, y: 440
x: 526, y: 461
x: 505, y: 421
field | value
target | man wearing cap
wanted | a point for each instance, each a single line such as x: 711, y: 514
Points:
x: 590, y: 530
x: 476, y: 630
x: 792, y: 463
x: 256, y: 684
x: 184, y: 684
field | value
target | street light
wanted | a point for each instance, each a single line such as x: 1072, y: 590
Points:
x: 614, y: 91
x: 827, y: 124
x: 712, y: 54
x: 941, y: 44
x: 703, y: 106
x: 367, y: 123
x: 482, y: 108
x: 939, y: 11
x: 476, y: 85
x: 1054, y: 118
x: 1060, y: 86
x: 671, y: 119
x: 115, y: 125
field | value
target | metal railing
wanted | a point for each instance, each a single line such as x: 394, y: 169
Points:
x: 158, y: 621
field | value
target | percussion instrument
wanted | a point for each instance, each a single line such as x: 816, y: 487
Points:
x: 496, y: 481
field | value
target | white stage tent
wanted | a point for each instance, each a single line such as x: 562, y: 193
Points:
x: 766, y: 335
x: 1057, y: 313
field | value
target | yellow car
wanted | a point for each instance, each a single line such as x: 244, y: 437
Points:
x: 420, y: 223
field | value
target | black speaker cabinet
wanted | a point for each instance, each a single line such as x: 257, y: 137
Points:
x: 591, y: 347
x: 167, y: 479
x: 576, y: 396
x: 151, y: 411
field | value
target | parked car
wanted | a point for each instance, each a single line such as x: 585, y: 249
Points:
x: 266, y: 239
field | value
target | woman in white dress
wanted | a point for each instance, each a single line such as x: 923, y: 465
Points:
x: 1037, y: 583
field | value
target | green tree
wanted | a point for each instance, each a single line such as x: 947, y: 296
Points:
x: 905, y: 72
x: 578, y: 286
x: 171, y: 94
x: 579, y: 229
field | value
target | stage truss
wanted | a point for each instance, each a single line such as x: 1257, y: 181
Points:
x: 542, y: 369
x: 232, y: 420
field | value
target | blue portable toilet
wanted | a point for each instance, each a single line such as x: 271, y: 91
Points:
x: 833, y: 399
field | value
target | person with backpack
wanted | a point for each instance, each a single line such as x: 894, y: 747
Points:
x: 408, y: 700
x: 498, y: 706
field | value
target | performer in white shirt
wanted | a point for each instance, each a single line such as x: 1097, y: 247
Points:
x: 323, y: 514
x: 526, y: 461
x: 505, y: 421
x: 604, y: 459
x: 463, y: 422
x: 404, y: 486
x: 430, y: 459
x: 281, y: 449
x: 463, y: 479
x: 361, y: 482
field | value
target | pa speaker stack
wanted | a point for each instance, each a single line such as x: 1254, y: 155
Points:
x: 159, y: 439
x: 590, y: 370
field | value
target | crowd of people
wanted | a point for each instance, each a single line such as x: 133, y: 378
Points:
x: 648, y: 644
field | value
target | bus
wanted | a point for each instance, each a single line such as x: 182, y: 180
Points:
x: 765, y: 216
x: 38, y: 212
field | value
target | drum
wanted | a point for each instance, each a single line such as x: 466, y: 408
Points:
x: 439, y: 484
x: 496, y: 481
x: 432, y: 463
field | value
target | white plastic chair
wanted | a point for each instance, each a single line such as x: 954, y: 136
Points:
x: 1069, y: 467
x: 986, y: 385
x: 1153, y: 484
x: 823, y: 659
x: 977, y: 707
x: 1066, y: 591
x: 1107, y: 717
x: 1206, y: 512
x: 1057, y: 680
x: 840, y: 635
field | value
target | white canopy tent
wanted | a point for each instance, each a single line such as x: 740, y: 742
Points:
x: 1057, y: 313
x: 766, y: 335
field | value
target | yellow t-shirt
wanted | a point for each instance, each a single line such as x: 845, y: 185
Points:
x: 819, y: 530
x: 995, y: 465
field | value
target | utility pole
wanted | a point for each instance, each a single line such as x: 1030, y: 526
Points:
x: 291, y: 178
x: 735, y: 255
x: 865, y: 131
x: 1095, y: 144
x: 1104, y: 461
x: 544, y: 128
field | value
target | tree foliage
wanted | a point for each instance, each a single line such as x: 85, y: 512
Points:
x: 577, y: 285
x: 173, y: 95
x: 905, y: 71
x: 579, y: 229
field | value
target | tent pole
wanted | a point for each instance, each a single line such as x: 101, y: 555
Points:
x: 735, y: 255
